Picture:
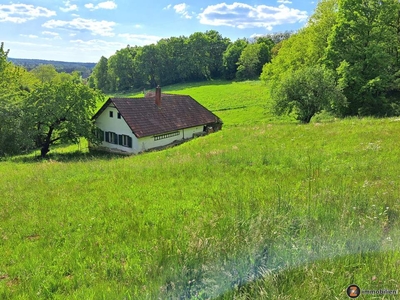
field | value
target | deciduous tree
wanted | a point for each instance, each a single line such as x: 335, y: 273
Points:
x: 15, y: 84
x: 231, y: 57
x: 60, y: 112
x: 305, y: 48
x: 251, y: 61
x: 45, y: 73
x: 363, y: 49
x: 100, y: 75
x: 307, y: 92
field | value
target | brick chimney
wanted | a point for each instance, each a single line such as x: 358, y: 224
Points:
x: 158, y: 96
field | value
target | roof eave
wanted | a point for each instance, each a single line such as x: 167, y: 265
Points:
x: 102, y: 108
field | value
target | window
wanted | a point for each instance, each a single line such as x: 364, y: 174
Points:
x: 166, y: 135
x: 125, y: 140
x: 119, y: 116
x: 111, y: 137
x: 111, y: 114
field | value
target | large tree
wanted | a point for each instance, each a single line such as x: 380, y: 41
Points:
x: 148, y: 61
x: 216, y: 47
x: 307, y: 92
x: 364, y: 50
x: 231, y: 57
x: 305, y: 48
x: 100, y: 75
x: 60, y: 111
x: 251, y: 61
x: 15, y: 84
x: 198, y: 56
x: 45, y: 73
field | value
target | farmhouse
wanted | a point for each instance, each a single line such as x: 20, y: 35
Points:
x: 133, y: 125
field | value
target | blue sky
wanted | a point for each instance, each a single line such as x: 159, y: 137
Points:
x: 83, y: 31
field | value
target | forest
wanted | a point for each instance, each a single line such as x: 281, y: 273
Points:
x: 85, y: 69
x: 199, y: 57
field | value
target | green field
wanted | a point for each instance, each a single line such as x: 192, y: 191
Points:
x: 264, y: 209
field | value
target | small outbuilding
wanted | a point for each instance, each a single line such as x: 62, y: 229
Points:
x: 134, y: 125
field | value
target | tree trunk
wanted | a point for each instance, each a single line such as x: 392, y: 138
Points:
x: 307, y: 119
x: 45, y: 149
x: 46, y: 143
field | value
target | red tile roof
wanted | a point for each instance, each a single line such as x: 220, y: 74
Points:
x: 176, y: 112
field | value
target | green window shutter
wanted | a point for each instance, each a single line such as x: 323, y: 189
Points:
x: 129, y: 142
x: 115, y: 138
x: 107, y: 137
x: 120, y: 139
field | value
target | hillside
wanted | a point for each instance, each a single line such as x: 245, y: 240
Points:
x: 263, y: 209
x: 236, y: 103
x: 61, y: 66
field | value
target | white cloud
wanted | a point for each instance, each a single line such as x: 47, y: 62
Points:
x: 241, y: 15
x: 167, y: 7
x: 140, y: 39
x: 103, y: 5
x: 96, y: 44
x: 50, y: 33
x: 107, y: 5
x: 69, y: 7
x: 31, y: 36
x: 284, y: 1
x: 102, y: 28
x: 32, y: 45
x: 95, y: 47
x: 54, y: 35
x: 256, y: 35
x: 89, y: 6
x: 21, y: 13
x: 52, y: 51
x: 182, y: 9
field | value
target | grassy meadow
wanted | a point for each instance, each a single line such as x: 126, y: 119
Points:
x: 264, y: 209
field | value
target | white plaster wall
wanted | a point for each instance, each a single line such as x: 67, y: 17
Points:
x: 148, y: 142
x: 190, y: 131
x: 119, y: 126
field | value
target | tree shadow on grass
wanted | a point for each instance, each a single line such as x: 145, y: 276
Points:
x: 193, y: 84
x: 75, y: 156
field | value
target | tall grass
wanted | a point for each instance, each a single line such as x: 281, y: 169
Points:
x: 281, y: 211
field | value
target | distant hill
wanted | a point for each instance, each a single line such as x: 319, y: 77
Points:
x: 61, y: 66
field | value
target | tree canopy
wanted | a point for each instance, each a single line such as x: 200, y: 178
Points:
x: 42, y: 107
x: 60, y: 112
x: 359, y: 42
x: 307, y: 92
x: 200, y: 56
x: 15, y: 85
x: 363, y: 49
